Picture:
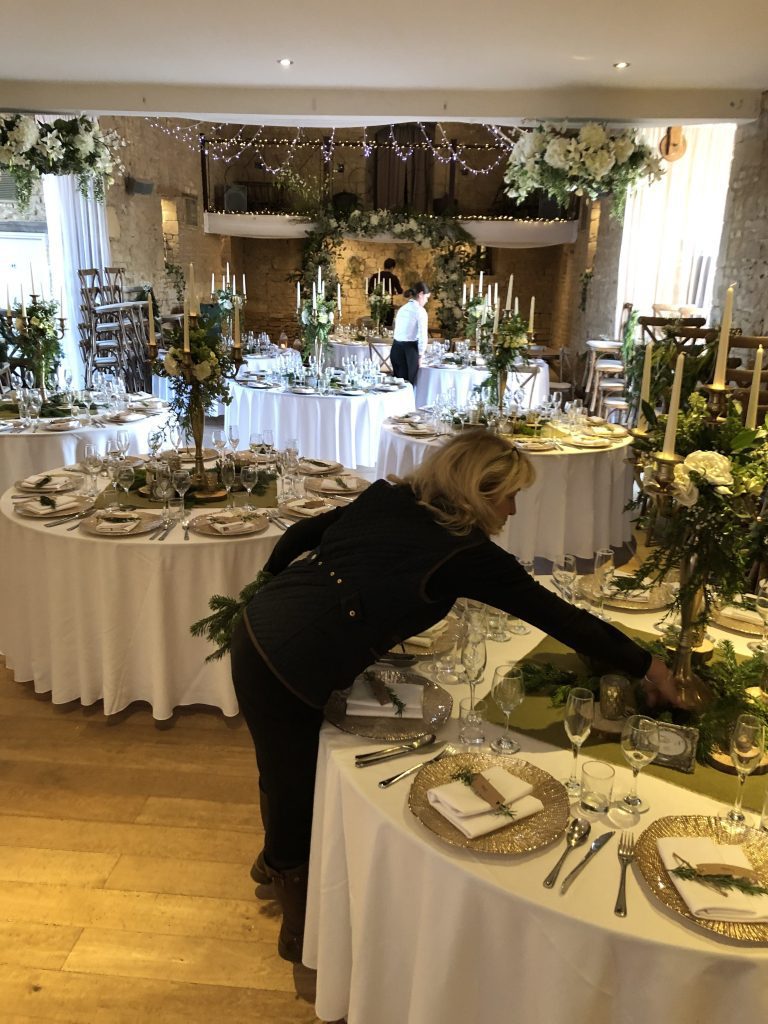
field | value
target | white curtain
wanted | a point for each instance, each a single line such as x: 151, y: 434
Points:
x: 672, y: 228
x: 77, y: 239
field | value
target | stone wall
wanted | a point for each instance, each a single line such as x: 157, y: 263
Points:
x: 743, y: 254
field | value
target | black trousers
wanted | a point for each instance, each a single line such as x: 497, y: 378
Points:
x: 285, y: 733
x: 405, y: 360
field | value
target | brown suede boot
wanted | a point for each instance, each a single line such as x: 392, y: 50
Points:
x: 291, y: 889
x: 259, y: 872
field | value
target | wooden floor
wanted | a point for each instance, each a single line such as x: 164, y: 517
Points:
x: 124, y: 857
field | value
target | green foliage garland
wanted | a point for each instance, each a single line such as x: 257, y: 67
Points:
x: 34, y: 342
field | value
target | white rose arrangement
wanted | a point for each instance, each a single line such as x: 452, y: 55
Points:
x: 590, y: 163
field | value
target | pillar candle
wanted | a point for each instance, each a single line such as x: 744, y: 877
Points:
x: 464, y: 294
x: 32, y: 279
x: 722, y: 346
x: 319, y: 279
x: 213, y: 284
x: 298, y: 296
x: 754, y: 391
x: 245, y: 292
x: 223, y: 282
x: 338, y: 296
x: 480, y: 284
x: 227, y: 276
x: 530, y: 316
x: 186, y: 326
x: 194, y: 306
x: 509, y: 292
x: 489, y: 297
x: 674, y: 407
x: 496, y: 293
x: 496, y: 319
x: 314, y: 295
x: 517, y: 310
x: 151, y: 322
x: 236, y: 330
x: 472, y: 292
x: 645, y: 385
x: 23, y: 303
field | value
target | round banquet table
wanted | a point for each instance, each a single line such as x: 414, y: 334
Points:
x: 344, y: 428
x: 439, y: 380
x: 99, y: 618
x: 575, y: 506
x: 403, y: 927
x: 357, y: 350
x: 35, y: 451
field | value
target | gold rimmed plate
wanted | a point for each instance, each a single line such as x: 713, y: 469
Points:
x: 330, y: 485
x: 657, y: 597
x: 145, y: 523
x: 523, y: 836
x: 80, y: 505
x: 254, y: 523
x: 58, y: 484
x: 319, y: 467
x: 753, y: 842
x: 437, y: 707
x: 743, y: 627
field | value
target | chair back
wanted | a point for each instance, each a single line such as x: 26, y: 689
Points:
x: 379, y: 352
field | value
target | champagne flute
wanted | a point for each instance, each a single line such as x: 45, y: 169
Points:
x: 123, y: 442
x: 761, y: 607
x: 473, y: 658
x: 747, y: 749
x: 248, y: 477
x: 639, y: 745
x: 603, y: 577
x: 228, y: 477
x: 508, y: 692
x: 174, y: 435
x: 579, y: 713
x: 234, y: 437
x: 564, y: 574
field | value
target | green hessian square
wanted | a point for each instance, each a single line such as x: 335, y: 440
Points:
x: 538, y: 719
x: 263, y: 496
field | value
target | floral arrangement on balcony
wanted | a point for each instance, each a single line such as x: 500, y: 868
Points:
x: 592, y: 162
x: 30, y: 148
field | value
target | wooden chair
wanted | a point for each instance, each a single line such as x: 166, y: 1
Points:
x: 379, y: 350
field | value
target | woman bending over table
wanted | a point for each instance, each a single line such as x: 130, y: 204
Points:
x: 376, y: 572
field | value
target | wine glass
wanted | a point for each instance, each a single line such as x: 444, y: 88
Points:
x: 182, y: 480
x: 91, y: 463
x: 508, y: 692
x: 564, y: 574
x: 473, y: 658
x: 579, y: 713
x: 174, y: 435
x: 154, y: 442
x: 603, y: 577
x: 219, y: 440
x: 256, y: 442
x: 125, y: 476
x: 228, y: 477
x: 761, y: 607
x: 747, y: 749
x: 639, y: 745
x: 163, y: 488
x: 123, y: 439
x: 248, y: 476
x: 234, y: 437
x: 269, y: 440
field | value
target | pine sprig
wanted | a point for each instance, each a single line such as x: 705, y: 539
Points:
x: 720, y: 883
x: 398, y: 704
x: 227, y: 611
x: 467, y: 777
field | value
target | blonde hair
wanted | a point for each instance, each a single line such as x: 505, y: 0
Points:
x: 464, y: 478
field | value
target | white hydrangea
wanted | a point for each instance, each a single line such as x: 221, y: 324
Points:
x: 685, y: 491
x: 557, y: 154
x: 599, y: 162
x: 202, y: 371
x: 25, y: 135
x: 592, y: 136
x: 623, y: 148
x: 712, y: 466
x: 528, y: 146
x: 84, y: 143
x: 170, y: 365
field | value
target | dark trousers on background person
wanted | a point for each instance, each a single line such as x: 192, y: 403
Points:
x: 285, y: 733
x: 404, y: 358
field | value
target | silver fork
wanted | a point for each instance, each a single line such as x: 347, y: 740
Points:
x: 626, y: 856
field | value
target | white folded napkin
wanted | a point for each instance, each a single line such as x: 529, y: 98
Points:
x: 361, y: 701
x: 62, y: 424
x: 55, y: 483
x: 741, y: 614
x: 124, y: 526
x: 332, y: 483
x: 427, y: 636
x: 299, y: 507
x: 36, y: 507
x: 701, y: 900
x: 460, y: 805
x: 637, y: 596
x: 127, y: 417
x: 235, y: 526
x: 143, y: 396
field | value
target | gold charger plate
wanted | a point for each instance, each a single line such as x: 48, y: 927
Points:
x: 69, y: 485
x: 81, y: 506
x: 148, y: 521
x: 356, y: 484
x: 658, y: 597
x: 742, y: 627
x: 755, y: 846
x: 519, y: 836
x: 292, y: 508
x: 324, y: 467
x: 598, y: 444
x: 202, y: 525
x: 437, y: 707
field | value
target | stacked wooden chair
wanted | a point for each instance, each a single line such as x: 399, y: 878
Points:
x: 113, y: 331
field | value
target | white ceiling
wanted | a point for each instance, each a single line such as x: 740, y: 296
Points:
x: 496, y: 58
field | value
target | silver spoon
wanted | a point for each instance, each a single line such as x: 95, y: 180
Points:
x: 575, y: 835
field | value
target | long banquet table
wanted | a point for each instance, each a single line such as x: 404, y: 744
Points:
x: 340, y: 427
x: 440, y: 380
x: 576, y: 505
x: 402, y: 927
x: 35, y: 450
x: 99, y: 618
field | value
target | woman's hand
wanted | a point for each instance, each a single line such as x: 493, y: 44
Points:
x: 660, y: 686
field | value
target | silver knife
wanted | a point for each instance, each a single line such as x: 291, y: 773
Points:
x: 394, y: 754
x: 409, y: 771
x: 596, y: 846
x: 165, y: 533
x: 422, y: 741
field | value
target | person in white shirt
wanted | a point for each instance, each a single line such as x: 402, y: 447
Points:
x: 411, y: 333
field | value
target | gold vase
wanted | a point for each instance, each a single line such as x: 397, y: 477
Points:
x: 197, y: 427
x: 693, y: 691
x: 501, y: 383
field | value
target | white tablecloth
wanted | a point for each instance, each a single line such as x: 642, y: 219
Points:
x: 439, y: 380
x: 328, y: 427
x: 402, y: 927
x: 357, y: 350
x: 26, y: 453
x: 576, y: 505
x: 96, y: 618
